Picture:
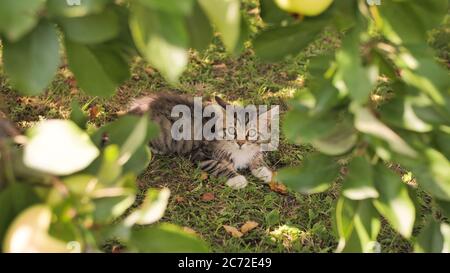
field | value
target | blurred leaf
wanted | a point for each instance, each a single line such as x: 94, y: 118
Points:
x: 171, y: 6
x: 77, y: 115
x: 152, y: 208
x: 273, y: 15
x: 244, y: 35
x: 78, y: 184
x: 32, y: 62
x: 162, y: 39
x: 315, y: 175
x: 394, y: 202
x: 91, y: 29
x: 352, y: 77
x: 341, y: 138
x: 199, y: 28
x: 300, y: 126
x: 344, y: 213
x: 276, y: 43
x: 400, y: 112
x: 434, y: 238
x: 110, y: 168
x: 358, y: 184
x: 58, y: 147
x: 408, y: 21
x: 62, y: 9
x: 139, y: 161
x: 366, y: 122
x: 108, y: 208
x: 366, y: 226
x: 432, y: 173
x: 35, y: 221
x: 166, y: 238
x: 13, y: 200
x: 17, y: 18
x: 102, y: 62
x: 445, y: 207
x: 226, y: 16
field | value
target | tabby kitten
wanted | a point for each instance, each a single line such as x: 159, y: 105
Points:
x: 220, y: 158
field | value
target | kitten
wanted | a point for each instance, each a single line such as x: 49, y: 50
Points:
x: 220, y: 158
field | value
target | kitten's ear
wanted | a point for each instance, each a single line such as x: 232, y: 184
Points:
x: 140, y: 106
x: 221, y: 102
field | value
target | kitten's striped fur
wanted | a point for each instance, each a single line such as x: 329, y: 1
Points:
x: 221, y: 158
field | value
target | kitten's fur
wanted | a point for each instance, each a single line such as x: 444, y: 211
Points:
x: 221, y: 158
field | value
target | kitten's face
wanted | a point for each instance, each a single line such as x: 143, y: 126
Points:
x: 245, y: 135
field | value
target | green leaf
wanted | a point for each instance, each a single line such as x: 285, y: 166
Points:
x: 59, y: 8
x: 445, y: 207
x: 352, y: 78
x: 394, y: 202
x: 166, y: 238
x: 199, y: 28
x: 366, y: 122
x: 58, y: 147
x: 358, y: 184
x: 300, y: 126
x: 13, y: 200
x: 170, y: 6
x: 359, y: 225
x: 91, y: 29
x: 341, y: 138
x: 432, y: 173
x: 272, y: 14
x: 152, y: 208
x: 110, y: 168
x: 408, y: 21
x: 277, y: 43
x: 226, y: 16
x: 32, y: 62
x: 108, y: 208
x: 77, y: 115
x: 17, y: 18
x: 314, y: 176
x: 104, y: 63
x: 139, y: 161
x: 434, y: 238
x: 162, y: 39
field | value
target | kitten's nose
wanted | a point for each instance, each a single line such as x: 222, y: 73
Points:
x: 240, y: 142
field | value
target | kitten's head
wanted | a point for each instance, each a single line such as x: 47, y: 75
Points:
x: 249, y: 131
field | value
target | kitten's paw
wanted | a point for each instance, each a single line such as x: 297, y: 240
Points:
x: 263, y: 173
x: 237, y: 182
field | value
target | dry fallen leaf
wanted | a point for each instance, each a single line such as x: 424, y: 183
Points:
x: 179, y: 199
x: 233, y: 231
x: 276, y: 186
x: 190, y: 230
x: 209, y: 196
x: 203, y: 176
x: 94, y: 111
x: 248, y: 226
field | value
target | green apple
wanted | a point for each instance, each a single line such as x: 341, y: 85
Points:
x: 29, y: 233
x: 304, y: 7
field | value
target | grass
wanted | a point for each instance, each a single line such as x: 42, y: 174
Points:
x: 243, y: 79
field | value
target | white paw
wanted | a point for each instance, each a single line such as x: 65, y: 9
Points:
x: 237, y: 182
x: 263, y: 173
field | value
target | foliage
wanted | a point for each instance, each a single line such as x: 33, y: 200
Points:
x: 72, y: 188
x: 343, y: 113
